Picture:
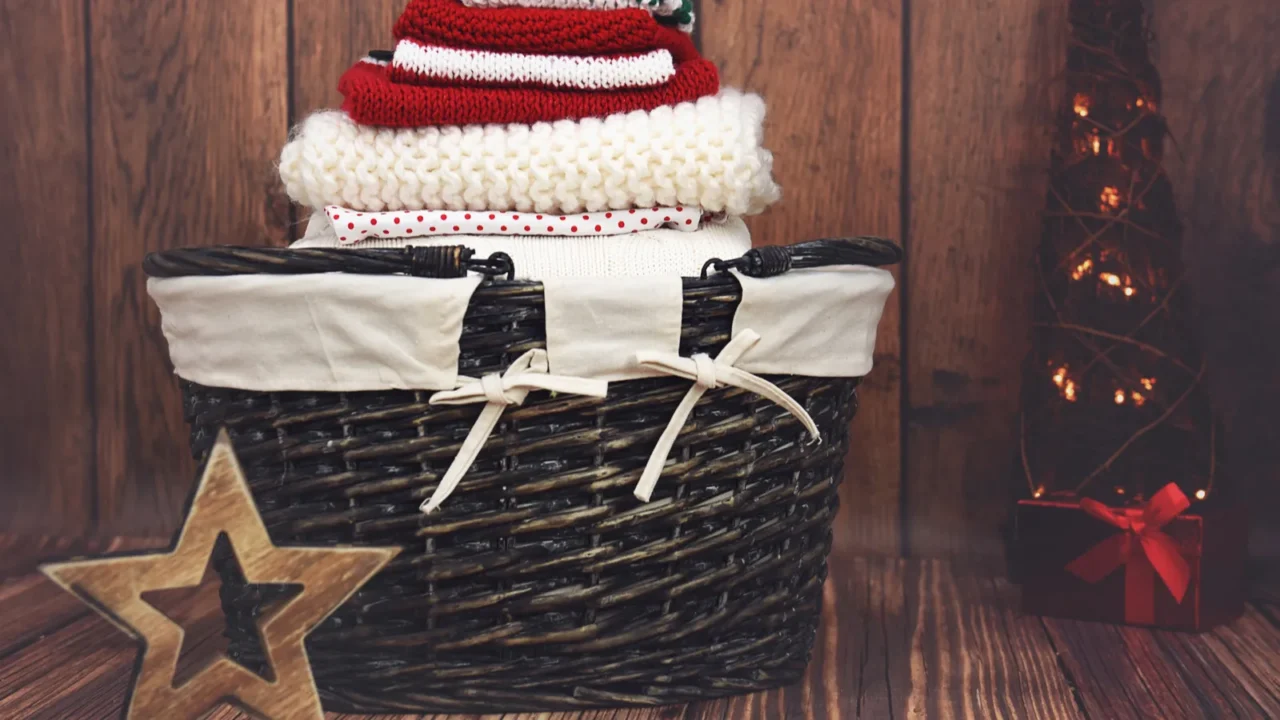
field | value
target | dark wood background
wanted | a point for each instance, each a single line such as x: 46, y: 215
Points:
x: 135, y: 125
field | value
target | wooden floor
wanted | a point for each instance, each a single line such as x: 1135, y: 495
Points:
x: 901, y: 639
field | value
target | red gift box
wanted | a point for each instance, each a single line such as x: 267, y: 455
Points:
x: 1150, y: 563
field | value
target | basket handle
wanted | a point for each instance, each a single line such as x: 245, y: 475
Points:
x: 773, y: 260
x: 452, y: 261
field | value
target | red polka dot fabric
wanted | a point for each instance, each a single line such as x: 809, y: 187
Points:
x: 353, y: 227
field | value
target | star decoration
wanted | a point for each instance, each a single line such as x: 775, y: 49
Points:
x: 223, y: 505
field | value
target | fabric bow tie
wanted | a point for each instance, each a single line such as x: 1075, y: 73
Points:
x: 529, y: 372
x: 708, y: 374
x: 1142, y: 546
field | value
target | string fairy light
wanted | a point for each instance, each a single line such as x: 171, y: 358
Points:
x: 1117, y: 361
x: 1084, y: 268
x: 1110, y: 198
x: 1082, y: 105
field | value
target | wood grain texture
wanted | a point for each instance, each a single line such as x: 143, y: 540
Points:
x: 190, y: 109
x: 1221, y: 71
x: 981, y: 96
x: 46, y: 424
x: 118, y: 588
x: 860, y: 661
x: 1244, y: 659
x: 328, y: 36
x: 1129, y: 672
x: 81, y: 670
x: 831, y: 73
x: 1235, y: 687
x: 901, y: 639
x: 973, y: 655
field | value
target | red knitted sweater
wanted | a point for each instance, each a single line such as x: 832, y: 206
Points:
x: 680, y: 44
x: 387, y: 96
x: 373, y: 99
x: 529, y: 30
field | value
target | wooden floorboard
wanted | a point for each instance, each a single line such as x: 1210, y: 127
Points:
x: 900, y: 639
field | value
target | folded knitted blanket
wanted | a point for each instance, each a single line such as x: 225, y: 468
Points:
x: 420, y: 63
x: 373, y: 98
x: 456, y: 65
x: 435, y: 64
x: 704, y: 154
x: 529, y: 30
x: 657, y: 7
x: 679, y: 11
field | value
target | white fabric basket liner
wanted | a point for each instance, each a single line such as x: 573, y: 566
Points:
x: 337, y: 332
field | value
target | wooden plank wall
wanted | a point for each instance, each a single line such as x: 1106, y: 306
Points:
x: 145, y: 125
x: 1220, y: 66
x: 46, y: 361
x: 189, y: 106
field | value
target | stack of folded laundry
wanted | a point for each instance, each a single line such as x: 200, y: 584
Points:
x: 581, y: 137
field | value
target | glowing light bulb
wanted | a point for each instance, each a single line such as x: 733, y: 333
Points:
x: 1110, y: 197
x: 1069, y: 391
x: 1138, y: 398
x: 1129, y: 291
x: 1111, y: 279
x: 1039, y: 493
x: 1149, y: 383
x: 1060, y: 377
x: 1082, y: 104
x: 1201, y: 494
x: 1084, y: 268
x: 1120, y: 397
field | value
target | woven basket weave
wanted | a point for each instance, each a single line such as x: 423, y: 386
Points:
x: 542, y: 583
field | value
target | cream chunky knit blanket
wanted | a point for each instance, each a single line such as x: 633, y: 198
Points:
x: 706, y: 154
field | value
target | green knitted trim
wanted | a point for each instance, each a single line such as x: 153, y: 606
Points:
x: 682, y: 17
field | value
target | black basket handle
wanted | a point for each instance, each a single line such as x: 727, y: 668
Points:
x: 773, y: 260
x: 452, y: 261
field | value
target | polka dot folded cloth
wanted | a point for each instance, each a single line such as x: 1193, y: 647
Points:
x: 679, y: 12
x: 352, y: 227
x: 460, y: 65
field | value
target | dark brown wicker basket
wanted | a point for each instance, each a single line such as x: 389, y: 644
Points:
x: 542, y: 583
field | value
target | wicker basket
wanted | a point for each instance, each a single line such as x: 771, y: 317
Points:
x: 543, y: 584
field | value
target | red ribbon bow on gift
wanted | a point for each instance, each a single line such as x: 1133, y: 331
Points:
x: 1143, y: 548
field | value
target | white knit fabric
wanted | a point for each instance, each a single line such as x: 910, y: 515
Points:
x: 657, y: 7
x: 668, y: 252
x: 517, y: 69
x: 706, y: 153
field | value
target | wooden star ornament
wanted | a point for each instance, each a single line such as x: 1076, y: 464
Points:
x: 222, y: 504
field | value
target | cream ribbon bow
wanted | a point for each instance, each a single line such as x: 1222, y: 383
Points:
x: 708, y: 374
x: 529, y: 372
